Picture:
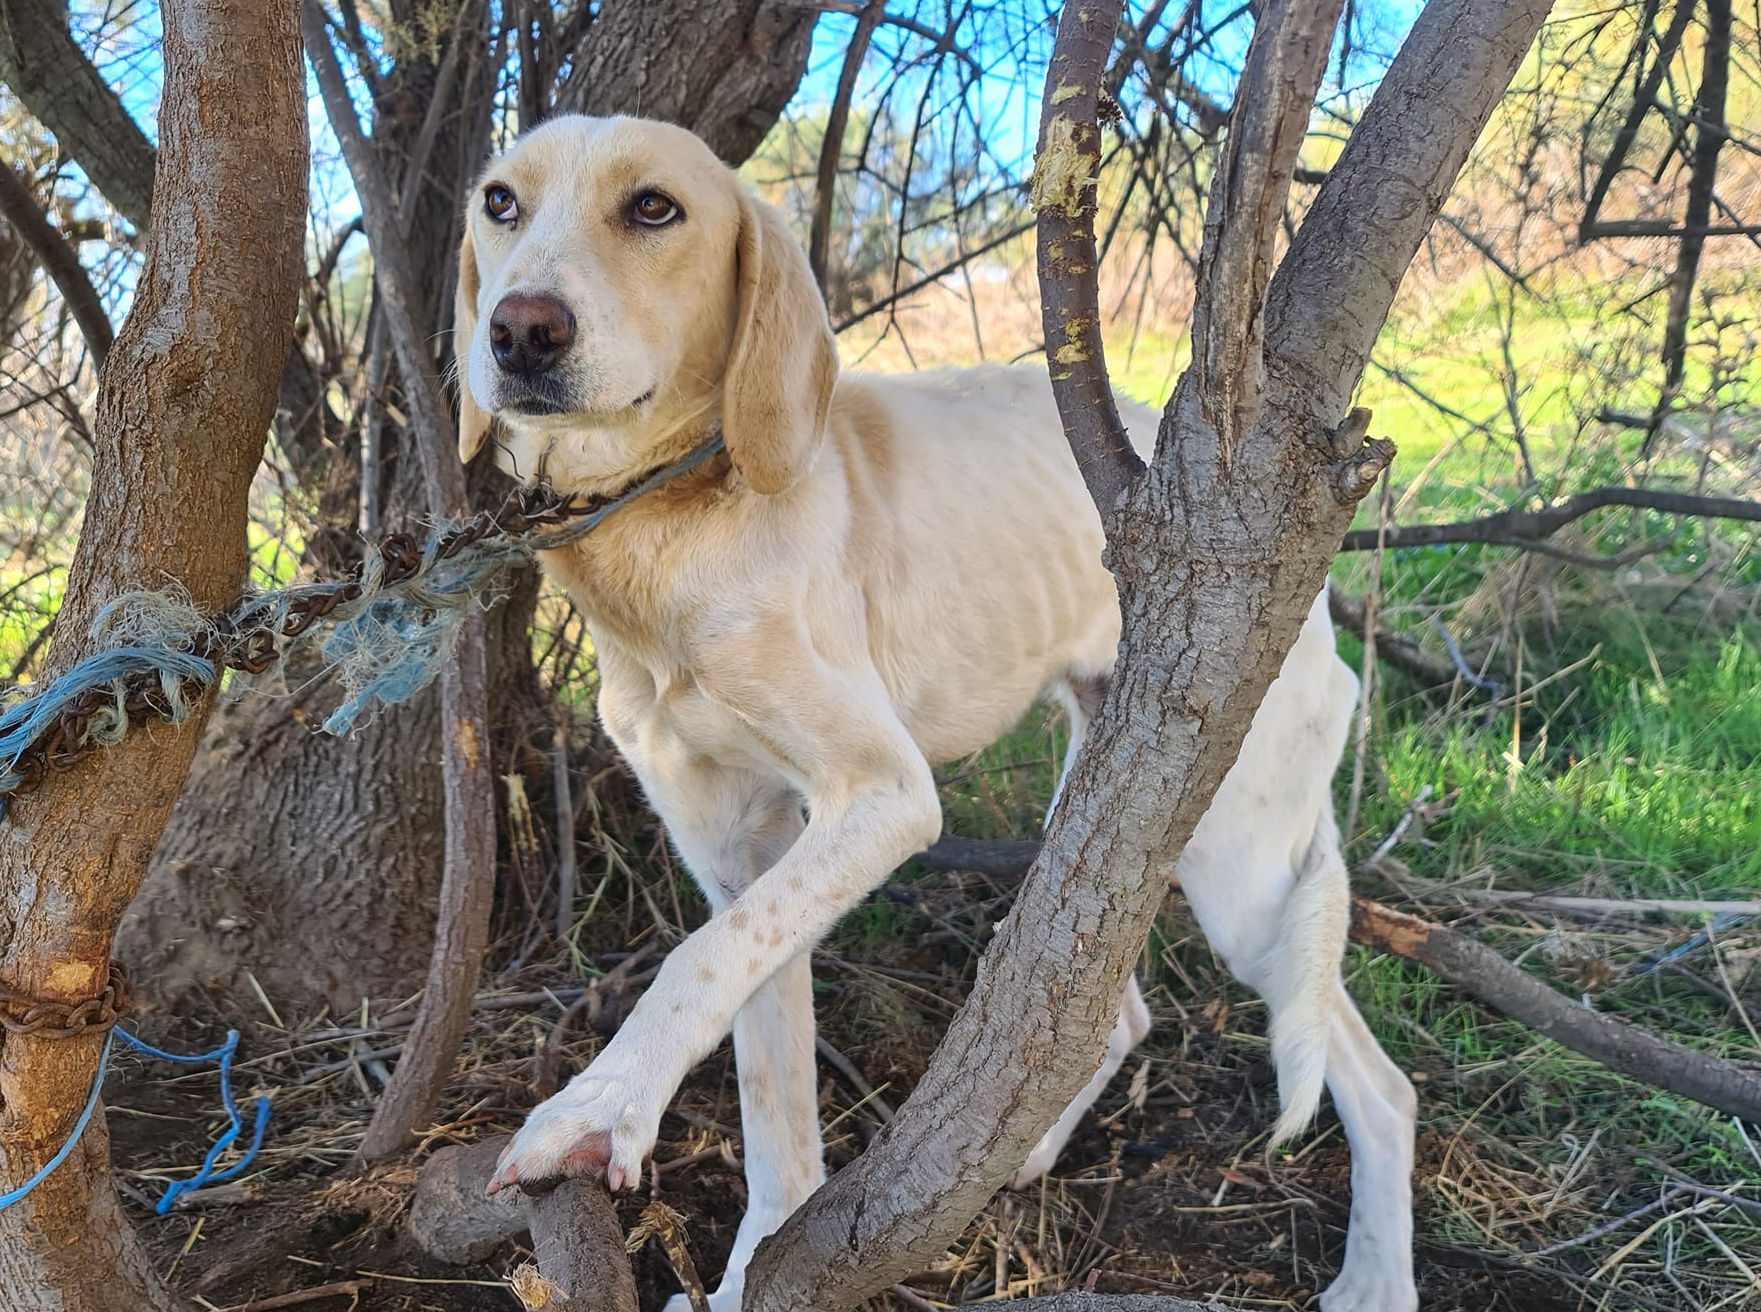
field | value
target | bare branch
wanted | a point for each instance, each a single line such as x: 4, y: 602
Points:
x: 468, y: 877
x: 1478, y: 970
x: 59, y: 260
x: 1332, y: 291
x: 1624, y: 1049
x: 46, y: 69
x: 826, y: 178
x: 1065, y: 172
x: 1517, y: 527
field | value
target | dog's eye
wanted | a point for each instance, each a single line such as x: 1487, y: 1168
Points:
x: 654, y: 210
x: 499, y: 202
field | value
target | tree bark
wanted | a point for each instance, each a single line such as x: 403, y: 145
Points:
x: 182, y: 414
x: 725, y: 71
x: 45, y: 68
x: 1219, y: 550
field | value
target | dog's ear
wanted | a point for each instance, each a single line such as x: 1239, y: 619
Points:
x: 784, y: 360
x: 473, y: 422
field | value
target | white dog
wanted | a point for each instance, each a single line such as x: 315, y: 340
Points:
x: 881, y: 573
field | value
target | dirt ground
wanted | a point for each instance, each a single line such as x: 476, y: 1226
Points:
x: 1168, y: 1188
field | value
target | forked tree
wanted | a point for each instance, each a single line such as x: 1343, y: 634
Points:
x: 1219, y: 547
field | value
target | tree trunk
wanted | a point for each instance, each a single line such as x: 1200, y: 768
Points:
x: 1219, y: 549
x: 327, y: 892
x: 183, y: 409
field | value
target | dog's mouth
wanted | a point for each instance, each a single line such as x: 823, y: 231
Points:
x: 538, y: 401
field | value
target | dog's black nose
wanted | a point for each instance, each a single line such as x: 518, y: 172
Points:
x: 528, y: 334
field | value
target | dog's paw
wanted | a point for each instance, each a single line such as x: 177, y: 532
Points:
x: 1364, y: 1290
x: 597, y: 1127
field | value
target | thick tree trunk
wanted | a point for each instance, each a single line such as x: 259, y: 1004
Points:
x: 326, y: 892
x: 182, y: 414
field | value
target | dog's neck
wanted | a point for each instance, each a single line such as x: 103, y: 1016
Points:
x: 600, y: 462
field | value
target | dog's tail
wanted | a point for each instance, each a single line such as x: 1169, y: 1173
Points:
x: 1302, y: 976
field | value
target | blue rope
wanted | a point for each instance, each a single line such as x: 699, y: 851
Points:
x: 386, y: 643
x: 206, y: 1174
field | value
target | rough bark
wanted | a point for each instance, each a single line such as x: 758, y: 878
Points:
x: 182, y: 414
x: 1219, y: 549
x: 45, y: 68
x: 574, y: 1227
x: 725, y: 71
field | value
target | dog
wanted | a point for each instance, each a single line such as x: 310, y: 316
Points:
x: 880, y: 573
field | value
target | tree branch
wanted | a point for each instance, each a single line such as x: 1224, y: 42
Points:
x: 46, y: 69
x: 1066, y: 170
x: 1331, y: 294
x: 468, y: 876
x: 1517, y: 527
x: 832, y: 146
x: 1622, y: 1048
x: 59, y: 260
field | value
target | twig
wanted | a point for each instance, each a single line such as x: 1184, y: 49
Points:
x: 658, y: 1221
x: 847, y: 1069
x: 294, y: 1298
x: 1517, y: 527
x: 567, y: 861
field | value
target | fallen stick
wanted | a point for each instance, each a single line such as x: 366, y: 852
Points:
x: 1625, y: 1049
x: 1622, y: 1048
x: 1605, y: 906
x: 574, y: 1227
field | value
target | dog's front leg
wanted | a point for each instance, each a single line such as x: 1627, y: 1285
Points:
x: 873, y: 807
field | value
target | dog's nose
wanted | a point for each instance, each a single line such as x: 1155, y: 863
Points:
x: 528, y: 334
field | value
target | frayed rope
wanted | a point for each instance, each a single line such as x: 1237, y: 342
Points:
x: 390, y: 633
x: 205, y: 1174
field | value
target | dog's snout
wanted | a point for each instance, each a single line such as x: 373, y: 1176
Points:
x: 528, y: 334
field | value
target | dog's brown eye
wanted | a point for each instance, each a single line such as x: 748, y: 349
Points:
x: 654, y: 209
x: 499, y: 202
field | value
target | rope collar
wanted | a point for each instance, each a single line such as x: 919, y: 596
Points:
x: 599, y: 510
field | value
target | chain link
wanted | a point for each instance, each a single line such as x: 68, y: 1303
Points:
x: 22, y: 1014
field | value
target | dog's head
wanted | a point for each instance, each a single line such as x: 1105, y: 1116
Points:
x: 617, y: 287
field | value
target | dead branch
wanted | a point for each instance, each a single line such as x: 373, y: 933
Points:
x: 59, y: 260
x: 1478, y: 970
x: 1518, y: 527
x: 1624, y: 1049
x: 574, y: 1227
x: 468, y: 877
x: 1397, y: 649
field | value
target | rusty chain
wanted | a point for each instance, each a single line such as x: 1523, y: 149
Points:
x: 20, y: 1013
x: 230, y: 642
